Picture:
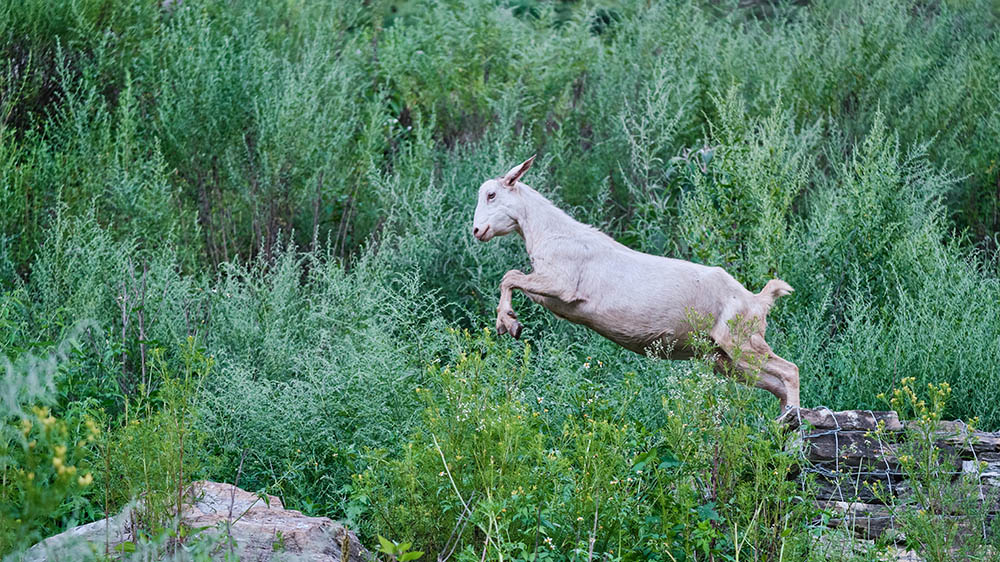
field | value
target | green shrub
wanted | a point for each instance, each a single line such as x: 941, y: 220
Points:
x: 491, y: 468
x: 42, y: 466
x: 893, y: 298
x: 942, y: 517
x: 737, y: 210
x: 156, y: 451
x: 292, y: 185
x: 45, y: 463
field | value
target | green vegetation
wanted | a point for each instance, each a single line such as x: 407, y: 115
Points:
x: 234, y: 240
x: 939, y: 539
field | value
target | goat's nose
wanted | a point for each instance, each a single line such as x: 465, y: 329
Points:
x: 475, y: 231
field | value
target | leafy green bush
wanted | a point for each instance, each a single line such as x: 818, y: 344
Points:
x: 42, y: 466
x: 871, y: 257
x: 491, y: 469
x: 155, y: 452
x: 737, y: 210
x: 291, y: 184
x: 45, y: 463
x: 942, y: 517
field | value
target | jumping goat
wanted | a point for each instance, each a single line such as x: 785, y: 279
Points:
x: 647, y: 304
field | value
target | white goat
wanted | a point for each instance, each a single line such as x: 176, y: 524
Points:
x: 644, y: 303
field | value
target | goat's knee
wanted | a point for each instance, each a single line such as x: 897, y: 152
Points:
x: 722, y: 337
x: 509, y: 280
x: 775, y: 386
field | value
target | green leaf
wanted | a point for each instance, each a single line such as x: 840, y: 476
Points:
x: 262, y: 495
x: 707, y: 512
x: 411, y: 556
x: 669, y: 461
x: 641, y: 460
x: 386, y: 546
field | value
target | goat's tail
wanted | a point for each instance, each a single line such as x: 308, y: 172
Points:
x: 775, y: 288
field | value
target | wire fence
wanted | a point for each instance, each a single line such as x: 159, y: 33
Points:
x: 876, y: 464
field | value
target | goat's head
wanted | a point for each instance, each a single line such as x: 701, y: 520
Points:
x: 500, y: 204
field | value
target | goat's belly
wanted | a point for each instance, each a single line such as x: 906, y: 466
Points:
x: 664, y: 345
x: 644, y: 340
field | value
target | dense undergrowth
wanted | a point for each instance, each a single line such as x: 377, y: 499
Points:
x: 244, y: 228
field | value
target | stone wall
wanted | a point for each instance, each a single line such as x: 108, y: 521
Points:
x: 845, y: 455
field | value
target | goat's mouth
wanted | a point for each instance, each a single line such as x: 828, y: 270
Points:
x: 482, y: 236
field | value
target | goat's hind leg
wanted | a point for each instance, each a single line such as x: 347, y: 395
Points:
x: 736, y: 363
x: 742, y: 371
x: 785, y: 371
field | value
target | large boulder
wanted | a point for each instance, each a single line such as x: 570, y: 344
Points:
x: 241, y: 523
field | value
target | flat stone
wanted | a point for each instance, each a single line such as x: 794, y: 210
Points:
x: 84, y: 542
x: 257, y: 526
x: 981, y: 442
x: 865, y: 520
x: 852, y: 448
x: 859, y: 488
x: 824, y: 418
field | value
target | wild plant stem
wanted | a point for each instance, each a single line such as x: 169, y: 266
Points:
x: 593, y: 532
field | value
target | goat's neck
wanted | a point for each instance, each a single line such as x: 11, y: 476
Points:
x: 541, y: 220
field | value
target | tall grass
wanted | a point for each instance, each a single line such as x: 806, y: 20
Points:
x: 291, y: 185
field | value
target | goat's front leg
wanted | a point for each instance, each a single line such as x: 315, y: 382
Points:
x: 506, y: 319
x: 533, y: 285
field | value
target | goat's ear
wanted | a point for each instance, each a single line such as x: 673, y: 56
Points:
x: 510, y: 178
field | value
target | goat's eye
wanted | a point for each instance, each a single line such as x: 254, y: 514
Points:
x: 491, y: 195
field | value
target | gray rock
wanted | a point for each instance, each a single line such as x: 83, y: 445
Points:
x: 825, y: 418
x: 84, y: 542
x: 251, y: 527
x: 851, y: 448
x: 866, y: 521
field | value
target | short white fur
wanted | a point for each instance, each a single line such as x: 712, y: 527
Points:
x: 644, y: 303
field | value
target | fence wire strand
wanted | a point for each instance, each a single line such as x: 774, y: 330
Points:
x: 808, y: 435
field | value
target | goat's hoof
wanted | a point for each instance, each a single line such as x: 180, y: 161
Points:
x: 507, y: 324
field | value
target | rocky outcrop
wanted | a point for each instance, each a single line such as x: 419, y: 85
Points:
x: 855, y: 465
x: 239, y: 522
